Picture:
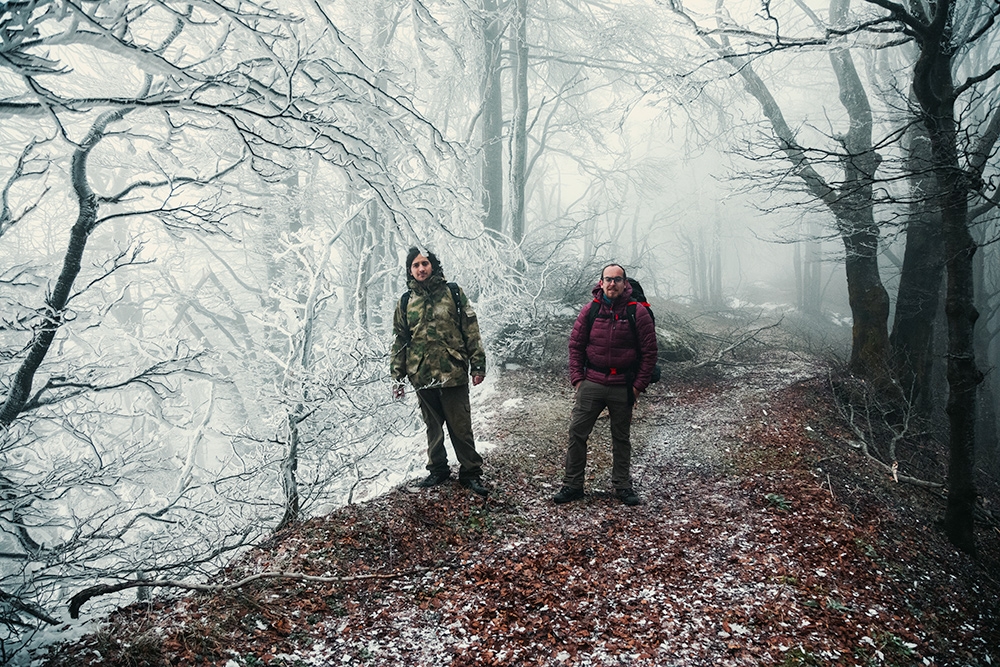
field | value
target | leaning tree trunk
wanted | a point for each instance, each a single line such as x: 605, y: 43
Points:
x: 20, y: 386
x: 869, y: 304
x: 19, y: 390
x: 850, y: 202
x: 856, y: 218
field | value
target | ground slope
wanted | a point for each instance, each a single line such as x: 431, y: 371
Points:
x: 763, y: 540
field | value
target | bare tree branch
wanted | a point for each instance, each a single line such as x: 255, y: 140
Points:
x: 718, y: 358
x: 81, y: 598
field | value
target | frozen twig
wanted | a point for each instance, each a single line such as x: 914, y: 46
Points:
x: 81, y: 598
x: 748, y: 337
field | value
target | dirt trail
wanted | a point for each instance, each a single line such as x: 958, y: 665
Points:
x: 696, y: 433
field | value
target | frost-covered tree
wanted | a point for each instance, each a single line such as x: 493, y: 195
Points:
x: 144, y: 141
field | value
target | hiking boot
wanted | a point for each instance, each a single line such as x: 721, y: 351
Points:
x: 475, y: 485
x: 434, y: 479
x: 628, y: 496
x: 567, y: 494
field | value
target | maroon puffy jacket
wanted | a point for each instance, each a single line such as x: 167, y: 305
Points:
x: 610, y: 346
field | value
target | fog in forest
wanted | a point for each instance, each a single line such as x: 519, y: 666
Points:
x: 206, y: 209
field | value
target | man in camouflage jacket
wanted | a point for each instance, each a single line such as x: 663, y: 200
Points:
x: 436, y: 347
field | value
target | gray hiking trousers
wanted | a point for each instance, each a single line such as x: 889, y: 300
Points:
x: 591, y: 399
x: 450, y: 405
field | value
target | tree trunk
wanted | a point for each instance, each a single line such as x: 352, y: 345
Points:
x: 798, y: 265
x: 492, y: 120
x: 934, y: 89
x: 715, y: 269
x: 919, y: 281
x: 289, y: 466
x: 850, y: 203
x: 368, y: 246
x: 856, y: 218
x: 519, y: 125
x: 963, y: 375
x: 808, y: 273
x: 701, y: 292
x: 869, y: 305
x: 55, y: 304
x: 986, y: 339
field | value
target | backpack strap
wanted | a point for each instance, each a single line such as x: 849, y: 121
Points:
x: 630, y: 309
x: 457, y: 298
x: 404, y: 301
x: 630, y: 312
x: 595, y: 308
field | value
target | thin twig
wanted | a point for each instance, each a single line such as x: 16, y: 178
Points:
x: 86, y: 594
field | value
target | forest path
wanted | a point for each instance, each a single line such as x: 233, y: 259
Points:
x: 680, y: 427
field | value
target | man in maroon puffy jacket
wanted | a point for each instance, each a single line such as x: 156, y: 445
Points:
x: 609, y: 364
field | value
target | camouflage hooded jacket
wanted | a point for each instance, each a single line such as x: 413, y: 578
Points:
x: 437, y: 353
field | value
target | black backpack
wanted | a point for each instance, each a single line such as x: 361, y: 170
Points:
x: 405, y: 300
x: 638, y: 297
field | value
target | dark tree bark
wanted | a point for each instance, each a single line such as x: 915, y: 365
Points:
x: 55, y: 304
x: 987, y: 337
x: 936, y: 93
x: 856, y: 219
x: 987, y: 298
x: 912, y: 337
x: 869, y: 305
x: 963, y: 375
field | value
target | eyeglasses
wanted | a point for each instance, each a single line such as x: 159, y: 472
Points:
x: 613, y: 279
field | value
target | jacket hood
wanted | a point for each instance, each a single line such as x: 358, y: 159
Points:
x: 626, y: 296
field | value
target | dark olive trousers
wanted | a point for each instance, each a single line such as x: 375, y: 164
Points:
x: 591, y: 399
x: 449, y: 405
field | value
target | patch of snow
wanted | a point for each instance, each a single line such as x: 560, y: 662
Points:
x: 485, y: 446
